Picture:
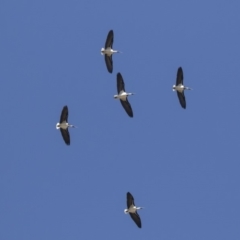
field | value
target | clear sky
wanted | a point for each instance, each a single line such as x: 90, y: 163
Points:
x: 181, y: 165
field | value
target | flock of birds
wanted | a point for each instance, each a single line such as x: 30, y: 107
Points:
x: 122, y: 95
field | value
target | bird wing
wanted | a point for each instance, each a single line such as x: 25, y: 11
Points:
x: 130, y: 200
x: 65, y: 135
x: 126, y: 105
x: 179, y: 79
x: 109, y: 63
x: 64, y: 114
x: 135, y: 217
x: 120, y: 83
x: 182, y: 99
x: 109, y: 40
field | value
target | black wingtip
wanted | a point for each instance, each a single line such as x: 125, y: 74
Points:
x: 130, y: 113
x: 183, y: 106
x: 119, y: 74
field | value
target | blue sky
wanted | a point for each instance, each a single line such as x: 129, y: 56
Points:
x: 184, y: 163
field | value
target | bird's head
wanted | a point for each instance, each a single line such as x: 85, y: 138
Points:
x: 126, y: 211
x: 115, y: 96
x: 173, y: 88
x: 102, y: 49
x: 57, y: 125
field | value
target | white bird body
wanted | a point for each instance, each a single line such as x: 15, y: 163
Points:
x: 178, y: 88
x: 108, y: 51
x: 123, y: 95
x: 132, y: 209
x: 64, y: 125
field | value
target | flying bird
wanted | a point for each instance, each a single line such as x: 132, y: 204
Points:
x: 64, y: 125
x: 108, y: 51
x: 122, y: 95
x: 179, y: 87
x: 132, y: 210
